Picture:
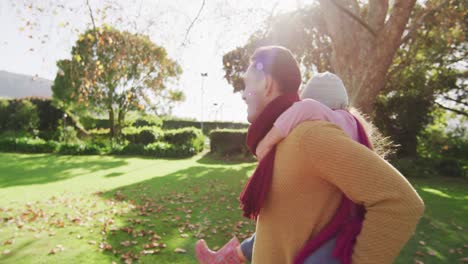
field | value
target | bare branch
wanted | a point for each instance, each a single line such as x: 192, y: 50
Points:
x: 193, y: 22
x: 459, y: 112
x: 91, y: 15
x: 270, y: 19
x: 355, y: 17
x: 455, y: 100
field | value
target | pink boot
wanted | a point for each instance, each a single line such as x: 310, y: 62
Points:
x: 226, y: 255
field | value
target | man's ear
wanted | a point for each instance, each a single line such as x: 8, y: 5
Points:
x: 269, y: 85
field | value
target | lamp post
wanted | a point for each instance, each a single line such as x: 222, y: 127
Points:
x: 203, y: 75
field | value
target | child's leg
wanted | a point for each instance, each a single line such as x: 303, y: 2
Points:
x: 246, y: 248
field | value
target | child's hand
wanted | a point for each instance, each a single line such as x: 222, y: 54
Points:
x: 262, y: 150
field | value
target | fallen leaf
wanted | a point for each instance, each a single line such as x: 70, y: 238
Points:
x: 151, y: 245
x: 6, y: 252
x: 184, y: 235
x: 105, y: 246
x: 149, y: 252
x: 125, y: 243
x: 92, y: 242
x: 9, y: 242
x: 180, y: 250
x: 422, y: 243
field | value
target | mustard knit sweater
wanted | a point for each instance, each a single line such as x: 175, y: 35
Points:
x: 314, y: 165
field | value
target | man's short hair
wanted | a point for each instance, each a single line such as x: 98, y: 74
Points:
x: 280, y: 64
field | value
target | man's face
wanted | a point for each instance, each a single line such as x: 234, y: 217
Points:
x: 254, y: 94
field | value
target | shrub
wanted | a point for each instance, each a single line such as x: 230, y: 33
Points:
x: 24, y: 116
x: 207, y: 126
x: 228, y: 142
x: 4, y: 114
x: 147, y: 121
x: 186, y: 138
x: 142, y: 135
x: 451, y: 167
x: 49, y: 115
x: 8, y: 144
x: 79, y: 149
x: 159, y: 149
x: 28, y: 145
x: 69, y: 135
x: 130, y: 149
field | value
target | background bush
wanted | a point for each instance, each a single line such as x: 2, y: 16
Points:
x: 228, y: 142
x: 190, y: 139
x: 28, y: 145
x: 79, y: 149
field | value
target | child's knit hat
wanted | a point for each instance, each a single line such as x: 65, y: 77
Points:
x: 328, y: 89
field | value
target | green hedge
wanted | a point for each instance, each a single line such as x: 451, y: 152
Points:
x: 174, y: 143
x: 145, y: 121
x: 207, y: 126
x: 189, y: 137
x: 28, y: 145
x: 80, y: 149
x: 228, y: 142
x: 143, y: 135
x: 28, y: 114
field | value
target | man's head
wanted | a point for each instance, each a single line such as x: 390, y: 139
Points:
x: 273, y: 71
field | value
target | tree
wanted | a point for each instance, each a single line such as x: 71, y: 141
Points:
x: 116, y: 72
x: 301, y: 31
x: 421, y: 76
x: 365, y: 38
x: 424, y: 76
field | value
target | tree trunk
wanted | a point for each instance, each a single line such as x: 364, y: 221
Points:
x: 119, y: 126
x: 111, y: 123
x: 363, y: 48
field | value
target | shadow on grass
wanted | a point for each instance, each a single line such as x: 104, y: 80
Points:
x: 21, y: 169
x: 200, y: 200
x: 216, y: 159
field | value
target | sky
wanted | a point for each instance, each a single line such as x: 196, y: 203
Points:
x: 35, y: 34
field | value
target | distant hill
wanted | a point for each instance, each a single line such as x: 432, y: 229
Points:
x: 13, y: 85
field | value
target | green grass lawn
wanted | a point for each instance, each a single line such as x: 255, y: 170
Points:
x: 100, y: 209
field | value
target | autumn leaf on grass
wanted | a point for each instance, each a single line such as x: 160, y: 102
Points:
x: 180, y: 250
x: 56, y: 249
x: 9, y: 242
x: 105, y: 246
x: 151, y: 245
x: 149, y: 252
x: 125, y: 243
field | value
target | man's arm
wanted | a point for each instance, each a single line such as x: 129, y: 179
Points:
x: 393, y: 206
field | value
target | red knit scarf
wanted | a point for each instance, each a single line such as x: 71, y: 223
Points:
x: 256, y: 189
